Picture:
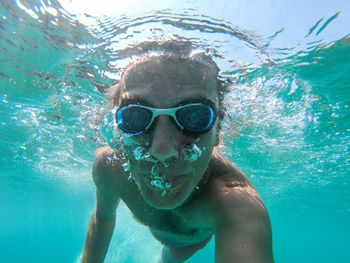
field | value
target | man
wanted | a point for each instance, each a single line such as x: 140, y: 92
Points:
x: 168, y: 114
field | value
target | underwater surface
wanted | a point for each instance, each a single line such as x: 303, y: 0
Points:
x: 287, y: 125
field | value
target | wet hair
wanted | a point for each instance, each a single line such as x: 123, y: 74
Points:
x: 171, y: 50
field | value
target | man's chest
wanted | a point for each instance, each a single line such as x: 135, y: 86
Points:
x: 178, y: 221
x: 157, y: 219
x: 171, y: 229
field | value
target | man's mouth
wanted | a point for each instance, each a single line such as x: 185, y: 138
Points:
x: 163, y: 182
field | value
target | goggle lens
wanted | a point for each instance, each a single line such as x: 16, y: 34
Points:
x: 133, y: 119
x: 196, y: 118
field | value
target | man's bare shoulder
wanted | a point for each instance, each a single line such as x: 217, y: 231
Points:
x: 108, y: 172
x: 224, y: 173
x: 231, y: 194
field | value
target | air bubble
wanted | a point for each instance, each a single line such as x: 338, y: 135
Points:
x: 129, y: 140
x: 141, y: 153
x: 110, y: 131
x: 160, y: 183
x: 191, y: 152
x: 109, y: 160
x: 126, y: 167
x: 157, y: 180
x: 155, y: 171
x: 131, y: 178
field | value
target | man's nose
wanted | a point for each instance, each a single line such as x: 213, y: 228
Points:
x: 165, y: 139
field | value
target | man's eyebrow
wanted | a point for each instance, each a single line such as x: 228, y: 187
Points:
x: 135, y: 100
x: 143, y: 101
x: 191, y: 100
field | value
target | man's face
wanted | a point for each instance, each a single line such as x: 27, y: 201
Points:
x: 166, y: 163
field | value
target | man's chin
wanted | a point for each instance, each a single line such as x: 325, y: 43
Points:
x: 163, y: 205
x: 166, y: 199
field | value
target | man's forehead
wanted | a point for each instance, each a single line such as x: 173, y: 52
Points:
x: 169, y: 90
x: 169, y: 93
x: 173, y: 69
x: 166, y: 82
x: 142, y: 95
x: 170, y: 81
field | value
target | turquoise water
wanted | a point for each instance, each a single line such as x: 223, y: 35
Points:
x: 287, y: 126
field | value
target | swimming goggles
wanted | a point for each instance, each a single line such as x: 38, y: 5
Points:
x: 191, y: 118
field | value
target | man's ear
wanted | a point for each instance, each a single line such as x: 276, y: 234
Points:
x: 218, y: 128
x: 218, y: 135
x: 218, y: 138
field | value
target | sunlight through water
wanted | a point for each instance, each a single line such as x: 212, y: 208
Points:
x: 287, y: 106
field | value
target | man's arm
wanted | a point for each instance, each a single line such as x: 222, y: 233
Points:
x: 102, y: 222
x: 99, y: 233
x: 249, y: 243
x: 243, y: 232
